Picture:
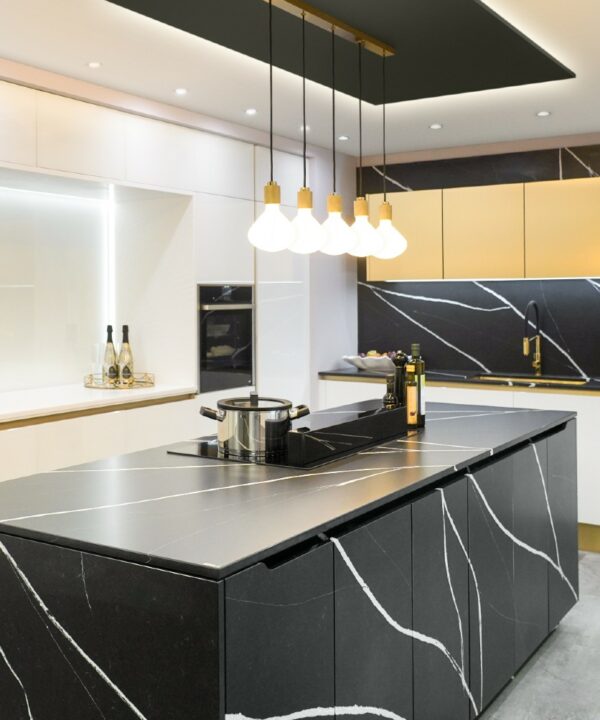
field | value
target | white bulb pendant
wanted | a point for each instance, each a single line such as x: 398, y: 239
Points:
x: 394, y: 242
x: 307, y: 234
x: 271, y: 231
x: 339, y: 238
x: 368, y: 241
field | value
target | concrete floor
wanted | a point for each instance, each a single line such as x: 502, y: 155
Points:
x: 562, y: 680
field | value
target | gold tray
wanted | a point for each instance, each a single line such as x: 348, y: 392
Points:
x: 140, y: 380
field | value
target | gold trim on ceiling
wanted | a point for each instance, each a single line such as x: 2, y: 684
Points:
x: 323, y: 20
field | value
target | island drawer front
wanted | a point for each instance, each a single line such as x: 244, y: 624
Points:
x: 89, y: 636
x: 279, y: 654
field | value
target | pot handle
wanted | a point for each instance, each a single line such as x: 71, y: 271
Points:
x: 212, y: 414
x: 299, y: 411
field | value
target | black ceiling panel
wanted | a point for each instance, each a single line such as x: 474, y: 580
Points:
x: 443, y: 47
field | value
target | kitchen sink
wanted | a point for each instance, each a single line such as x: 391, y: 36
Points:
x: 532, y: 380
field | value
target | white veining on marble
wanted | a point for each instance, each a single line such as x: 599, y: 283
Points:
x: 142, y: 469
x: 517, y: 541
x: 484, y: 414
x: 18, y: 679
x: 84, y: 583
x: 427, y: 330
x: 384, y: 472
x: 223, y: 488
x: 545, y: 335
x: 391, y: 180
x: 424, y: 298
x: 317, y: 712
x: 34, y: 594
x: 437, y: 444
x: 451, y: 587
x: 448, y: 514
x: 594, y: 284
x: 550, y: 518
x: 415, y: 634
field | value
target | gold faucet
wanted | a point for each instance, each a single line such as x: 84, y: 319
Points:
x: 536, y: 339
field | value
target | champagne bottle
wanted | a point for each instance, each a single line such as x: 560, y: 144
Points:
x: 110, y: 372
x: 125, y: 361
x: 418, y: 367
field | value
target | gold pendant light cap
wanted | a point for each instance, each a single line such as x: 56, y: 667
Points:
x: 305, y: 199
x: 334, y: 203
x: 360, y: 207
x: 272, y: 194
x: 385, y: 211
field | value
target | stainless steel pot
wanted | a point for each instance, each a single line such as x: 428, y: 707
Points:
x: 253, y: 428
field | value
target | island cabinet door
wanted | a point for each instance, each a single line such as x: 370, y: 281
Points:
x: 533, y: 530
x: 279, y: 655
x: 441, y: 604
x: 85, y: 637
x: 492, y: 603
x: 562, y: 495
x: 373, y: 618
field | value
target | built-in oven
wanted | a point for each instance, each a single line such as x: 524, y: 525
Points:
x: 226, y: 336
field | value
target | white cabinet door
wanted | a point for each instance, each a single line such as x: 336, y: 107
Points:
x: 224, y: 166
x: 161, y: 154
x: 17, y: 124
x: 333, y: 393
x: 80, y: 137
x: 282, y: 324
x: 223, y: 253
x: 287, y: 172
x: 18, y: 452
x: 469, y: 396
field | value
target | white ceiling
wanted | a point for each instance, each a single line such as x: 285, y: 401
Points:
x: 146, y: 58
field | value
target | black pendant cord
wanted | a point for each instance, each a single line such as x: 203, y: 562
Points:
x: 304, y: 97
x: 333, y: 104
x: 360, y: 145
x: 271, y: 85
x: 384, y: 131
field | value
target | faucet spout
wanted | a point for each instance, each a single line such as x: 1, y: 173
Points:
x: 536, y: 338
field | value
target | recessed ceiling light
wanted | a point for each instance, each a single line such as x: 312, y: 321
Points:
x: 181, y: 91
x: 251, y: 111
x: 343, y: 138
x: 94, y: 64
x: 544, y: 113
x: 436, y: 126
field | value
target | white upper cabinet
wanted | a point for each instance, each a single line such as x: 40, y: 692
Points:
x: 79, y: 137
x: 225, y: 166
x: 287, y: 172
x: 17, y: 124
x: 184, y: 159
x: 223, y: 253
x: 161, y: 154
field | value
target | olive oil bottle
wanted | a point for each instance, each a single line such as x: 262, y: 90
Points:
x: 415, y: 384
x: 125, y: 361
x: 110, y: 370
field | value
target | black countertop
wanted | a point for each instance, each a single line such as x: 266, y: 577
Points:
x: 213, y: 518
x: 449, y: 377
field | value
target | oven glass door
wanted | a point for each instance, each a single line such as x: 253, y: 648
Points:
x: 226, y: 346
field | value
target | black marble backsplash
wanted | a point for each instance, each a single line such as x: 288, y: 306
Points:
x: 532, y: 166
x: 478, y: 326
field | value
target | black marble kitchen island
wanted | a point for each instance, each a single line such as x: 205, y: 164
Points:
x: 411, y: 580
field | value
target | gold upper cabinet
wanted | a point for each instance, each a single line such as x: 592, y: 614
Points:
x: 418, y: 216
x: 484, y: 232
x: 562, y: 228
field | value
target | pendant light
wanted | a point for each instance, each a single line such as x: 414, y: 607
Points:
x: 394, y: 242
x: 367, y: 240
x: 308, y: 235
x: 271, y: 231
x: 339, y: 239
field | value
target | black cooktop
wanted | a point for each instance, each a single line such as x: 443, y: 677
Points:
x: 320, y: 437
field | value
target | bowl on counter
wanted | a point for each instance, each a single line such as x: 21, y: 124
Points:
x: 381, y: 364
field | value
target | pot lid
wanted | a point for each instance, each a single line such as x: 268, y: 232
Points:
x: 253, y: 403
